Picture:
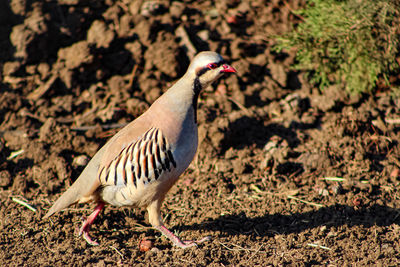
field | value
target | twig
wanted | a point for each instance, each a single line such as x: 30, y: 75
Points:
x: 15, y: 154
x: 335, y: 179
x: 318, y: 246
x: 116, y: 250
x: 241, y: 106
x: 256, y: 188
x: 23, y: 203
x: 258, y: 250
x: 285, y: 193
x: 26, y: 113
x: 228, y: 248
x: 392, y: 121
x: 132, y: 76
x: 306, y: 202
x: 43, y: 88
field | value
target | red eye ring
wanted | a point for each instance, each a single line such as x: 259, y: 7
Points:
x: 212, y: 66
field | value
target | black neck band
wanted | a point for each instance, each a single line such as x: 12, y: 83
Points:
x: 196, y: 89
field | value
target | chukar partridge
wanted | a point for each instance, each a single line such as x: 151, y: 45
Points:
x: 139, y: 164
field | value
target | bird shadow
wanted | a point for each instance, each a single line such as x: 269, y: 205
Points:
x: 275, y: 224
x: 270, y: 225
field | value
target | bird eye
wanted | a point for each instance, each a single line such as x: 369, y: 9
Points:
x: 212, y: 66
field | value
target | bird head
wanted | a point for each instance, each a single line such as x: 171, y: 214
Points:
x: 208, y: 66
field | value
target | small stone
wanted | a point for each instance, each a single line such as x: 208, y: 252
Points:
x: 44, y: 69
x: 145, y: 245
x: 5, y: 178
x: 155, y: 250
x: 18, y: 7
x: 100, y: 34
x: 81, y: 160
x: 232, y: 19
x: 395, y: 173
x: 204, y: 35
x: 325, y: 193
x: 76, y: 55
x: 10, y: 68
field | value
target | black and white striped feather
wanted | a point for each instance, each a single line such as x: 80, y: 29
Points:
x: 144, y: 160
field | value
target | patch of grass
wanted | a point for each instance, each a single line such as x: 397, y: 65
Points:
x: 353, y: 43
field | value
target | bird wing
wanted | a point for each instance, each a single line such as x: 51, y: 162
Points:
x: 143, y: 160
x: 135, y: 175
x: 84, y: 188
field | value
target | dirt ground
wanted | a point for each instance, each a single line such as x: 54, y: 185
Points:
x: 74, y: 71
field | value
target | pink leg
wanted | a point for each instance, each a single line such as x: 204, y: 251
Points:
x: 177, y: 242
x: 88, y: 223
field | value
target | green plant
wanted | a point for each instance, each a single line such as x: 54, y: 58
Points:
x: 350, y: 42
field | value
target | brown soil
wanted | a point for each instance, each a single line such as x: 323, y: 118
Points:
x: 73, y: 72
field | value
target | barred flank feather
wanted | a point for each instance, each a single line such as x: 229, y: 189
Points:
x: 144, y: 160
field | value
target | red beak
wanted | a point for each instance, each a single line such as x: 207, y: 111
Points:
x: 228, y: 68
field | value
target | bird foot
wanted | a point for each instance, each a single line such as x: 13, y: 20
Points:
x: 87, y: 223
x: 191, y: 243
x: 84, y: 230
x: 179, y: 243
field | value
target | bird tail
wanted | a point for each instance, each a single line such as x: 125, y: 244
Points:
x: 82, y: 190
x: 68, y: 198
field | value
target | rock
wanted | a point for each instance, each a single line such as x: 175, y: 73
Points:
x: 18, y: 7
x: 81, y: 160
x: 76, y: 55
x: 10, y: 68
x: 5, y: 178
x: 145, y: 245
x: 125, y: 29
x: 100, y: 34
x: 43, y: 69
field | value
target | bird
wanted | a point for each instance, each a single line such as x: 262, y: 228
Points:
x: 141, y: 162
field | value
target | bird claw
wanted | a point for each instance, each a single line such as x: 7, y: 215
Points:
x: 190, y: 243
x: 205, y: 239
x: 89, y: 240
x: 179, y: 243
x: 187, y: 244
x: 87, y: 223
x: 84, y: 230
